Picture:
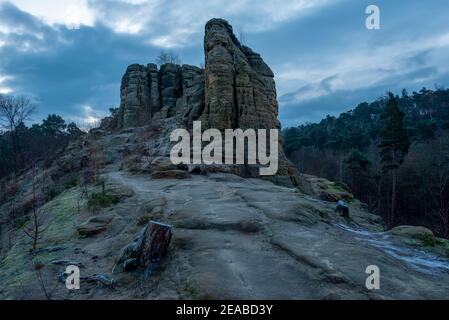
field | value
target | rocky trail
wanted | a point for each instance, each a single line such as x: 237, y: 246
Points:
x: 233, y: 238
x: 239, y: 245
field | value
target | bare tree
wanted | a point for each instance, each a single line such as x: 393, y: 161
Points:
x: 167, y: 57
x: 34, y: 232
x: 14, y: 110
x: 242, y: 37
x: 434, y: 162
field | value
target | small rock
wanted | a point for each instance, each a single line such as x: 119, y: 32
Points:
x: 99, y: 278
x: 171, y: 174
x: 50, y: 249
x: 157, y: 211
x: 67, y: 263
x: 149, y: 205
x: 94, y: 225
x: 414, y: 235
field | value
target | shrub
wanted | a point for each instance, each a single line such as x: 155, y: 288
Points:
x: 428, y: 240
x: 98, y: 200
x: 53, y: 192
x: 71, y: 182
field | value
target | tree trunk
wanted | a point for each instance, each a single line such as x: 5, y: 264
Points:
x: 155, y: 248
x: 393, y: 198
x: 341, y: 168
x: 379, y: 197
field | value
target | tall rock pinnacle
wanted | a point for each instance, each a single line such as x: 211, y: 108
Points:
x: 240, y: 90
x: 236, y: 89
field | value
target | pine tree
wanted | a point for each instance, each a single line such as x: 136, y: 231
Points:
x: 394, y: 144
x: 358, y: 163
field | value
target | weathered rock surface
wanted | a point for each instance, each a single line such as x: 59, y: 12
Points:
x: 240, y: 90
x: 228, y: 233
x: 170, y: 174
x: 95, y: 225
x: 324, y: 189
x: 191, y: 105
x: 236, y: 90
x: 135, y: 105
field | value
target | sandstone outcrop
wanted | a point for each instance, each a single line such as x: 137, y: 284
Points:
x: 135, y: 105
x: 236, y: 89
x: 240, y: 90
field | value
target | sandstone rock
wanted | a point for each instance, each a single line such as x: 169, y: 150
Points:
x: 95, y: 225
x: 102, y: 279
x: 171, y: 85
x: 163, y: 164
x: 235, y: 90
x: 170, y: 174
x: 153, y: 77
x: 135, y: 106
x: 66, y: 263
x: 152, y: 203
x: 240, y: 90
x: 152, y: 209
x: 324, y: 189
x: 414, y: 235
x: 165, y: 112
x: 140, y: 96
x: 191, y: 105
x: 118, y: 192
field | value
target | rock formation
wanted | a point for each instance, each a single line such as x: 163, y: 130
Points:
x: 240, y: 90
x: 135, y: 105
x: 236, y: 89
x: 228, y: 231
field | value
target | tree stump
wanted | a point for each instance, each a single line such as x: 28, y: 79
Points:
x: 155, y: 249
x: 148, y: 250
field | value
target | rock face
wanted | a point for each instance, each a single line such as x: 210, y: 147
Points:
x: 173, y: 90
x: 135, y: 105
x: 236, y: 89
x: 240, y: 90
x: 191, y: 105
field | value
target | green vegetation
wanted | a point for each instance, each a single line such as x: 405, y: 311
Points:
x: 428, y: 240
x: 392, y: 153
x: 56, y: 189
x: 20, y: 145
x: 71, y: 182
x: 102, y: 199
x: 98, y: 200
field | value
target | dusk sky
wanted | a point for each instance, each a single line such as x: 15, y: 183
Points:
x: 69, y: 56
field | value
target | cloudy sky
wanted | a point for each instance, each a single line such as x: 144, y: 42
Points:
x: 70, y: 55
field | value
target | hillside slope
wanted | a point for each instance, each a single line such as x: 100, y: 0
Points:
x: 233, y: 238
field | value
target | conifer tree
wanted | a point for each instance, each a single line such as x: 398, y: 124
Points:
x: 394, y: 145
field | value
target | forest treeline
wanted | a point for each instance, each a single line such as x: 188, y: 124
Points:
x: 392, y: 153
x: 21, y: 145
